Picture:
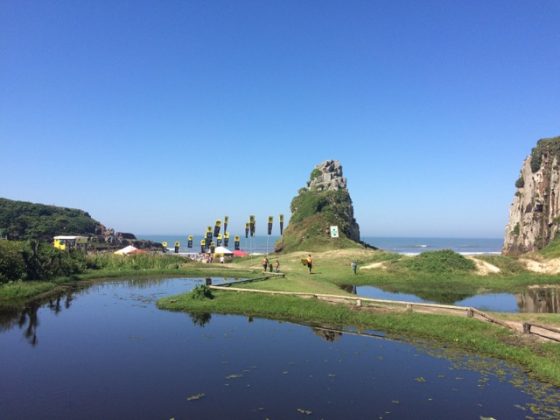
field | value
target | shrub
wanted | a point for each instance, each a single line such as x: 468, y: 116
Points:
x: 201, y: 292
x: 314, y: 174
x: 520, y: 183
x: 12, y: 265
x: 445, y: 261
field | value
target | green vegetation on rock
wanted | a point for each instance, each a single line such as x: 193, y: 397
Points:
x: 549, y: 147
x: 21, y: 220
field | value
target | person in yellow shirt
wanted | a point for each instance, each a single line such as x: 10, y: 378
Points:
x: 309, y: 263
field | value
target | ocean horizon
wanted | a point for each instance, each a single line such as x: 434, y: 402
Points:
x: 401, y: 245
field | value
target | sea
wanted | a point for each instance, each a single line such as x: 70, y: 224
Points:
x: 404, y: 245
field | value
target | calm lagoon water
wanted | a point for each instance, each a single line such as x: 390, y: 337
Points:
x: 108, y: 352
x: 533, y: 299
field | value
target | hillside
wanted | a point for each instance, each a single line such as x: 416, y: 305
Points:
x: 20, y: 220
x: 325, y: 202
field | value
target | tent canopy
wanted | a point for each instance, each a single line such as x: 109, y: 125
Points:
x: 222, y: 250
x: 128, y: 250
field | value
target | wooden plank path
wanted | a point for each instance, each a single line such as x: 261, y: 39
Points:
x: 542, y: 331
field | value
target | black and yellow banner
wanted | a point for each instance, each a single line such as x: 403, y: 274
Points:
x: 219, y: 239
x: 236, y: 242
x: 217, y: 227
x: 281, y: 224
x: 177, y: 246
x: 226, y: 221
x: 226, y: 239
x: 212, y: 247
x: 189, y: 241
x: 252, y: 223
x: 270, y: 220
x: 247, y: 230
x: 208, y: 234
x: 203, y: 245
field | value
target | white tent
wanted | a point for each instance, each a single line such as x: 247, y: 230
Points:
x: 126, y: 250
x: 222, y: 250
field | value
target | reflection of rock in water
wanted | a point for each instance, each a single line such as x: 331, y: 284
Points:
x: 200, y: 319
x: 326, y: 333
x: 539, y: 300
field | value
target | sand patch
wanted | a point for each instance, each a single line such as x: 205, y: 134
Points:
x: 484, y: 268
x: 380, y: 265
x: 544, y: 267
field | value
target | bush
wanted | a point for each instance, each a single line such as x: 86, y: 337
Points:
x: 445, y: 261
x: 314, y: 174
x: 12, y: 265
x: 201, y: 292
x: 33, y: 260
x: 520, y: 183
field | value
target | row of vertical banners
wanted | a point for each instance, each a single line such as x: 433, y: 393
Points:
x: 207, y: 244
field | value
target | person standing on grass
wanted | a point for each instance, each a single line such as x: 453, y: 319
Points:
x: 277, y: 266
x: 354, y: 266
x: 309, y: 263
x: 265, y: 264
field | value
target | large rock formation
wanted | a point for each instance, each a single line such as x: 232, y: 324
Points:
x: 534, y: 217
x: 325, y: 202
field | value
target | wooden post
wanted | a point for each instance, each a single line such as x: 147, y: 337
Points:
x: 408, y: 308
x: 359, y: 303
x: 526, y: 328
x: 470, y: 313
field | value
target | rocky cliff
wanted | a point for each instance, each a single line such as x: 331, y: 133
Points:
x: 325, y: 202
x: 534, y: 216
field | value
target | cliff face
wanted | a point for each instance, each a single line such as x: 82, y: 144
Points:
x: 534, y: 217
x: 323, y: 203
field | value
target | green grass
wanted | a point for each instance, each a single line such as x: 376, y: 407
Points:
x: 552, y: 250
x: 542, y: 360
x: 15, y: 293
x: 445, y: 261
x: 507, y: 265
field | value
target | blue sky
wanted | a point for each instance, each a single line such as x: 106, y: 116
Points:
x: 159, y: 117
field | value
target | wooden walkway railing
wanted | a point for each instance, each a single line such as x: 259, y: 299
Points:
x: 360, y: 301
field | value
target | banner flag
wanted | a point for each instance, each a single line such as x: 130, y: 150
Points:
x: 270, y: 220
x: 281, y: 224
x: 226, y: 239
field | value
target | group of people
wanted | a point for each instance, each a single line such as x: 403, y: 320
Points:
x: 268, y: 265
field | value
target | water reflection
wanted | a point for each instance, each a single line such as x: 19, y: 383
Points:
x: 535, y: 299
x: 200, y: 319
x: 326, y: 333
x: 539, y: 300
x: 27, y: 319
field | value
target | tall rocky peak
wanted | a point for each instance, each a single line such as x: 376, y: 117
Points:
x: 325, y: 202
x: 534, y: 216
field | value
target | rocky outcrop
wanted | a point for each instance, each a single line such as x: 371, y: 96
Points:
x: 325, y: 202
x: 535, y: 212
x: 327, y: 176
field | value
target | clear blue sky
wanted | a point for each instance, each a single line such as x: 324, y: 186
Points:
x: 161, y: 116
